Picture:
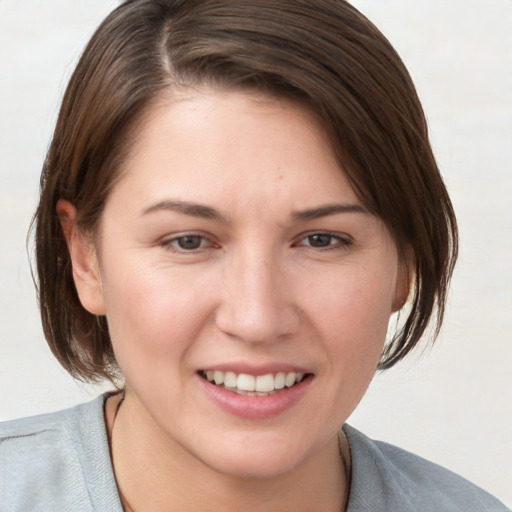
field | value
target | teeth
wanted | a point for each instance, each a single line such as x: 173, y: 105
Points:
x: 261, y: 385
x: 265, y: 383
x: 280, y: 380
x: 246, y: 382
x: 218, y: 377
x: 289, y: 381
x: 230, y: 379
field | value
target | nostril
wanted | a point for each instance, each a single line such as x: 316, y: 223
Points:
x: 256, y: 323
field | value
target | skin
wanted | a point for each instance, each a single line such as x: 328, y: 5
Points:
x: 260, y: 289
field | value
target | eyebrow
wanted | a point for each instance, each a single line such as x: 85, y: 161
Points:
x: 207, y: 212
x: 194, y: 209
x: 329, y: 209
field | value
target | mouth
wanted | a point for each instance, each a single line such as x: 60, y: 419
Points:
x: 251, y: 385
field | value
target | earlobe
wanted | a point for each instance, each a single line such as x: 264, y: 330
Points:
x: 403, y: 286
x: 84, y: 260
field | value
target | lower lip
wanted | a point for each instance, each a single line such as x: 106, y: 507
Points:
x: 256, y: 407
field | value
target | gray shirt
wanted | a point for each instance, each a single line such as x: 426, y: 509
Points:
x: 61, y: 462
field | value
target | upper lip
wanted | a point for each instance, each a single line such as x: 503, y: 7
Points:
x: 256, y: 370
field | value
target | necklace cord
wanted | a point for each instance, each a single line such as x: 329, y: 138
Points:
x: 110, y: 431
x: 126, y: 506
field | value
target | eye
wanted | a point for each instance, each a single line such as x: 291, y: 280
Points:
x: 186, y: 243
x: 320, y: 240
x: 324, y: 241
x: 189, y: 242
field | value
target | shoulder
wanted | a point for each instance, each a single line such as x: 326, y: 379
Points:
x: 54, y: 461
x: 385, y: 477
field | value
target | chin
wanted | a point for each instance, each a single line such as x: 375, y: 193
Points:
x: 256, y: 459
x: 248, y: 468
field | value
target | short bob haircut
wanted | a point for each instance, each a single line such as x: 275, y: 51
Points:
x: 325, y: 55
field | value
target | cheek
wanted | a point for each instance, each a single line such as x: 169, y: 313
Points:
x: 353, y: 317
x: 356, y: 303
x: 150, y: 313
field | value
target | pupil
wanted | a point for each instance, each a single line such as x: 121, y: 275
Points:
x: 320, y: 240
x: 189, y: 242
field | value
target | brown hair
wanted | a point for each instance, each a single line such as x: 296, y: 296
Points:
x: 324, y: 54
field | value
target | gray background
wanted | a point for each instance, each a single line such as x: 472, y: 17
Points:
x: 453, y: 404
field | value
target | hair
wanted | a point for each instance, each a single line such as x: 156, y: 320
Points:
x: 325, y: 55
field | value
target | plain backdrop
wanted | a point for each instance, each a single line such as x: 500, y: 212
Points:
x: 451, y: 404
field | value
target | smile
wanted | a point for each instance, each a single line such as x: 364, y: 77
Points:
x: 245, y: 384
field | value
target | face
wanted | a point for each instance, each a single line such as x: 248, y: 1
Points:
x: 246, y: 288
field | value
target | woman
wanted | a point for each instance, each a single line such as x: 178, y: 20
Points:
x: 237, y: 198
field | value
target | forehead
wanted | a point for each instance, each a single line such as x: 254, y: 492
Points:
x: 200, y: 142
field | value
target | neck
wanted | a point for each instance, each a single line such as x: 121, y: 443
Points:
x: 152, y: 471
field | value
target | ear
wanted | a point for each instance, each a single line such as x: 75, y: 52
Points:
x: 404, y: 284
x: 84, y: 260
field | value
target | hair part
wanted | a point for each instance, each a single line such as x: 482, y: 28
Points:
x: 325, y: 55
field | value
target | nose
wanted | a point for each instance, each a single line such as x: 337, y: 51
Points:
x: 257, y: 300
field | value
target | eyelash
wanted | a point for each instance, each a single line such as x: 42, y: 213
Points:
x: 172, y: 244
x: 340, y: 242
